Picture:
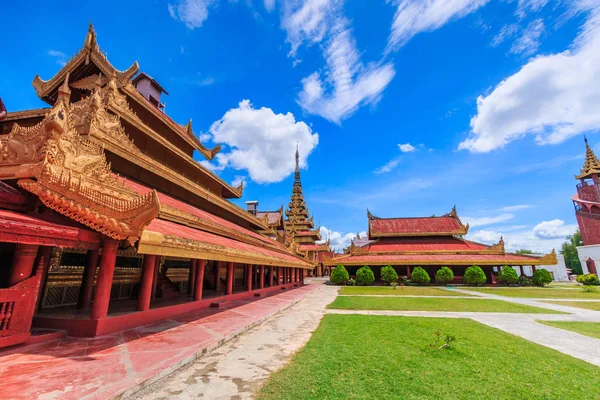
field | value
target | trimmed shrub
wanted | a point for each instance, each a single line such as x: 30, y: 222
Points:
x: 508, y: 275
x: 351, y: 282
x: 420, y: 276
x: 474, y: 276
x: 524, y: 281
x: 588, y: 279
x: 389, y: 274
x: 444, y: 275
x: 541, y: 277
x: 339, y: 275
x: 365, y: 276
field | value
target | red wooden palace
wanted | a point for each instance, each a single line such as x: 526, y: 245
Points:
x: 107, y: 221
x: 430, y: 243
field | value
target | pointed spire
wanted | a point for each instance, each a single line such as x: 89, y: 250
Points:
x: 297, y: 171
x: 90, y: 39
x: 64, y: 92
x: 591, y: 165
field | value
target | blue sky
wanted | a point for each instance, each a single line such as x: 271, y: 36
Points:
x: 402, y: 107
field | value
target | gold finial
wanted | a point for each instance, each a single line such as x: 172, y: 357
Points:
x: 64, y: 92
x: 591, y: 165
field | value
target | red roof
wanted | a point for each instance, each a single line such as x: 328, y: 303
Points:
x: 307, y: 233
x: 429, y: 243
x: 312, y: 247
x: 424, y: 226
x: 437, y: 259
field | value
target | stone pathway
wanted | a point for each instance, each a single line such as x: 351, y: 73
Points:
x: 238, y: 368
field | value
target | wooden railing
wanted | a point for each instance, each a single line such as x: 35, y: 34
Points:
x: 17, y: 305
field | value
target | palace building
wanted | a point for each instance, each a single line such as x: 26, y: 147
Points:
x: 300, y: 229
x: 430, y: 243
x: 587, y: 211
x: 106, y: 220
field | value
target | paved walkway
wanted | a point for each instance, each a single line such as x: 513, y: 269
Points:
x: 237, y: 369
x: 520, y: 324
x: 108, y: 366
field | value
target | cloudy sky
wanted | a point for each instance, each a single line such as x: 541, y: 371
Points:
x: 402, y: 107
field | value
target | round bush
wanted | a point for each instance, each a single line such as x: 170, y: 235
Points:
x: 508, y: 276
x: 364, y: 276
x: 588, y: 279
x: 339, y: 275
x: 541, y: 277
x: 420, y: 276
x: 444, y: 275
x: 524, y: 281
x: 388, y: 274
x: 474, y: 276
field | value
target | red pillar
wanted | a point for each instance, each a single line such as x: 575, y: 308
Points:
x: 271, y: 276
x: 302, y: 276
x: 87, y: 283
x: 408, y: 272
x: 521, y: 268
x: 532, y: 270
x: 46, y: 255
x: 200, y: 264
x: 106, y: 271
x: 218, y: 276
x: 229, y: 278
x: 261, y: 278
x: 155, y: 278
x: 146, y: 284
x: 192, y: 277
x: 248, y: 277
x: 23, y: 260
x: 296, y: 272
x: 277, y: 277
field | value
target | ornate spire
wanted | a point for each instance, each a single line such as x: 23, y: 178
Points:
x: 64, y: 92
x: 591, y: 165
x: 297, y: 171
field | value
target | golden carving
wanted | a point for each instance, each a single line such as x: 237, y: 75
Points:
x: 498, y: 246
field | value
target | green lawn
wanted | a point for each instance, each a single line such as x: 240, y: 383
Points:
x: 399, y: 291
x: 432, y: 304
x: 377, y: 357
x: 542, y: 293
x: 591, y: 329
x: 595, y: 306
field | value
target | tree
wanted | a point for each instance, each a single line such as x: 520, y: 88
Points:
x: 475, y: 276
x: 508, y: 275
x: 339, y: 275
x: 444, y: 275
x: 365, y: 276
x: 389, y: 274
x: 541, y: 277
x: 569, y: 252
x: 523, y: 251
x: 420, y: 276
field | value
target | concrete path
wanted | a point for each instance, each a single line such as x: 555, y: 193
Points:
x: 237, y: 369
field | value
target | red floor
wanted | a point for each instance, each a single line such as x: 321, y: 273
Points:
x: 106, y: 366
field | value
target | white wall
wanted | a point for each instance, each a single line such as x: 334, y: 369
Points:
x: 559, y: 270
x: 585, y: 252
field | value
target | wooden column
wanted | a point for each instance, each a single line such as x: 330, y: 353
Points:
x: 87, y: 283
x: 532, y: 270
x: 261, y: 277
x: 106, y: 271
x: 155, y: 278
x: 199, y: 279
x: 248, y: 277
x: 146, y: 284
x: 45, y: 254
x: 302, y: 275
x: 271, y: 275
x: 23, y: 261
x: 192, y: 277
x: 218, y: 276
x: 278, y: 276
x: 229, y: 289
x: 408, y: 271
x: 522, y: 272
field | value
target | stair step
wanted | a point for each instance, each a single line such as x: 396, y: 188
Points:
x: 45, y: 335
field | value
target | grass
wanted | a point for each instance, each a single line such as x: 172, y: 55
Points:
x: 595, y: 306
x: 399, y: 291
x: 377, y: 357
x: 432, y: 304
x: 542, y: 293
x: 591, y: 329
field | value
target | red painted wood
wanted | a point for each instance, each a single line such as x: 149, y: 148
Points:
x: 229, y: 289
x: 249, y: 277
x: 200, y: 264
x: 87, y: 283
x: 218, y: 276
x: 23, y: 261
x: 146, y: 284
x: 105, y: 277
x: 271, y: 276
x: 192, y: 277
x: 261, y: 277
x: 155, y: 278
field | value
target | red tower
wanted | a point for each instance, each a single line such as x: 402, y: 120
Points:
x: 587, y: 199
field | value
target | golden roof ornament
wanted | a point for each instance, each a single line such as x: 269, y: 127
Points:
x: 64, y: 92
x: 591, y: 165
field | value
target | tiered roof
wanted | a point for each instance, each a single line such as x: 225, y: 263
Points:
x: 428, y: 241
x: 591, y: 166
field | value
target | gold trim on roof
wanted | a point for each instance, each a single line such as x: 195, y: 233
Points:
x: 591, y: 164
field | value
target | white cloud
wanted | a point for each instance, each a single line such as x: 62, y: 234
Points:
x: 415, y: 16
x: 191, y: 12
x: 517, y: 207
x: 526, y: 6
x: 262, y: 142
x: 348, y: 83
x: 406, y: 147
x: 393, y: 163
x: 339, y: 241
x: 239, y: 180
x: 482, y: 221
x: 269, y: 5
x: 308, y: 20
x: 529, y: 41
x: 554, y: 229
x: 506, y: 31
x: 552, y: 97
x: 61, y: 58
